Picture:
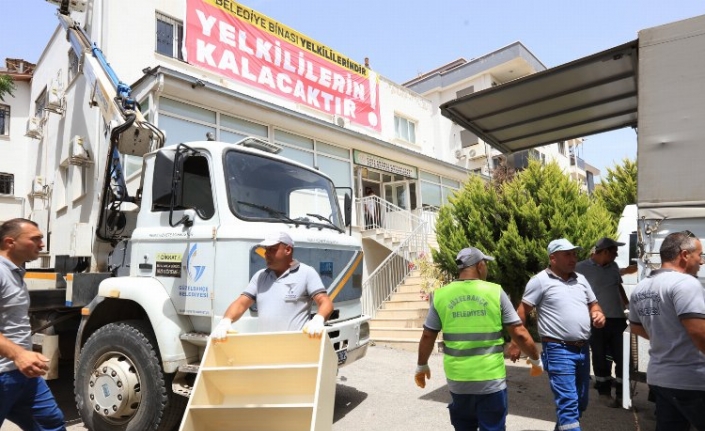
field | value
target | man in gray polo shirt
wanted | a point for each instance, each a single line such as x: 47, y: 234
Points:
x: 565, y: 305
x: 668, y: 308
x: 284, y: 292
x: 25, y: 398
x: 603, y: 275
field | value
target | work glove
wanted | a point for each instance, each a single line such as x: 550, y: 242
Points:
x: 221, y: 329
x: 536, y: 366
x: 423, y: 372
x: 315, y: 327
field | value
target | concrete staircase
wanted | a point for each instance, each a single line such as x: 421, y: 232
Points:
x: 389, y: 239
x: 399, y: 323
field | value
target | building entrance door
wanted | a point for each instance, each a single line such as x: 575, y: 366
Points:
x: 397, y: 193
x: 401, y: 199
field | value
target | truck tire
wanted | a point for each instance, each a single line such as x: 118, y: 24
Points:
x: 120, y: 384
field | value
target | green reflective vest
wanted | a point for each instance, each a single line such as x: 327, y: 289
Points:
x: 471, y: 317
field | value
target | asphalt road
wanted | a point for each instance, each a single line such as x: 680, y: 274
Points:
x: 378, y: 393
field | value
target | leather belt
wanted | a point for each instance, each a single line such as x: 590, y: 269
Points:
x: 579, y: 343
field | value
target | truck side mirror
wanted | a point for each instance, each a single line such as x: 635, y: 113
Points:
x: 162, y: 179
x: 347, y: 210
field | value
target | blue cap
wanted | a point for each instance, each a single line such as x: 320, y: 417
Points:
x: 561, y: 245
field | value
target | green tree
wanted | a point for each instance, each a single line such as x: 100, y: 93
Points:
x: 7, y: 86
x: 618, y: 188
x: 516, y: 221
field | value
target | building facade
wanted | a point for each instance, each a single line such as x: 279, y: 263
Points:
x: 198, y: 70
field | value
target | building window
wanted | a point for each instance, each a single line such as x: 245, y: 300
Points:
x: 561, y: 148
x: 436, y: 190
x: 404, y: 129
x: 7, y: 184
x: 4, y: 120
x: 40, y: 104
x: 74, y: 66
x: 170, y: 36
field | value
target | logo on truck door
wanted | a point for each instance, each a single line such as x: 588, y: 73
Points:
x: 195, y: 272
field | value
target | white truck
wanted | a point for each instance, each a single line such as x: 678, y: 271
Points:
x: 656, y: 85
x: 168, y: 252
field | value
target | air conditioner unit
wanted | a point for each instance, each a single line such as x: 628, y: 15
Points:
x: 39, y: 187
x: 34, y: 128
x: 55, y: 98
x: 341, y: 121
x: 459, y: 154
x: 78, y: 153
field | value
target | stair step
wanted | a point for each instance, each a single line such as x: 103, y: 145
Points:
x: 407, y: 296
x: 413, y: 280
x: 409, y: 288
x: 196, y: 338
x: 397, y: 322
x: 406, y: 313
x: 395, y: 305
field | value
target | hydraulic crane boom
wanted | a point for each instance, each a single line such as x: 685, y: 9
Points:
x: 130, y: 133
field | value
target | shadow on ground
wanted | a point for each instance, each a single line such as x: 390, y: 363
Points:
x: 347, y: 399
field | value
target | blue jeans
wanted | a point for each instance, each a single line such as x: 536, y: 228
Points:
x: 677, y: 409
x: 488, y: 412
x: 568, y: 369
x: 29, y: 403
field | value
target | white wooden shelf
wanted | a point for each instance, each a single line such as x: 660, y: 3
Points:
x: 267, y: 382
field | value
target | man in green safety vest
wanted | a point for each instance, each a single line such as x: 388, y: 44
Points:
x: 471, y: 313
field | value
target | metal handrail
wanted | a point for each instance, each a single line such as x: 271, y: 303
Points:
x: 429, y: 214
x: 376, y: 213
x: 383, y: 281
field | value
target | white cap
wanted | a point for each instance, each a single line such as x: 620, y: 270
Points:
x: 561, y: 244
x: 274, y: 238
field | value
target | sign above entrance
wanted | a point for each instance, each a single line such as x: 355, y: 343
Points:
x: 383, y: 164
x: 241, y: 44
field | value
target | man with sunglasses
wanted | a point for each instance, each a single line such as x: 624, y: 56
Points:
x: 668, y: 308
x: 604, y: 277
x: 284, y: 292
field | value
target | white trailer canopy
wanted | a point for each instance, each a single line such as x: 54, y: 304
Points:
x: 658, y: 79
x: 591, y: 95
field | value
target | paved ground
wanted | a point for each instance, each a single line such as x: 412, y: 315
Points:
x: 378, y: 393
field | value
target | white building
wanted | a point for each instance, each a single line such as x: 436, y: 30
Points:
x: 243, y: 79
x: 15, y: 147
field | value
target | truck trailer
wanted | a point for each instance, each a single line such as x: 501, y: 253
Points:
x: 655, y: 85
x: 154, y: 259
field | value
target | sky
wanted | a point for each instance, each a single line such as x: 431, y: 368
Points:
x: 406, y: 38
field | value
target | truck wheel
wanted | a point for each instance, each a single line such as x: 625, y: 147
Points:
x: 119, y: 383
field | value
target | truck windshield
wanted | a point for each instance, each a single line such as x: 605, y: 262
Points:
x: 265, y: 189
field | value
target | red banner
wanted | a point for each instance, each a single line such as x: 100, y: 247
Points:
x: 241, y: 44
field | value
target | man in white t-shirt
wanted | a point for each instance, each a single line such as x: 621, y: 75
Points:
x: 668, y: 308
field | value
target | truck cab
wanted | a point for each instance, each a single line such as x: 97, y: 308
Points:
x: 203, y: 208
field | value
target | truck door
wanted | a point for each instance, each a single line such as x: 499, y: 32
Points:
x: 185, y: 255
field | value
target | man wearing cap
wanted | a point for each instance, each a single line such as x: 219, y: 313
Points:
x: 471, y: 313
x: 284, y: 292
x: 604, y: 277
x: 565, y: 306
